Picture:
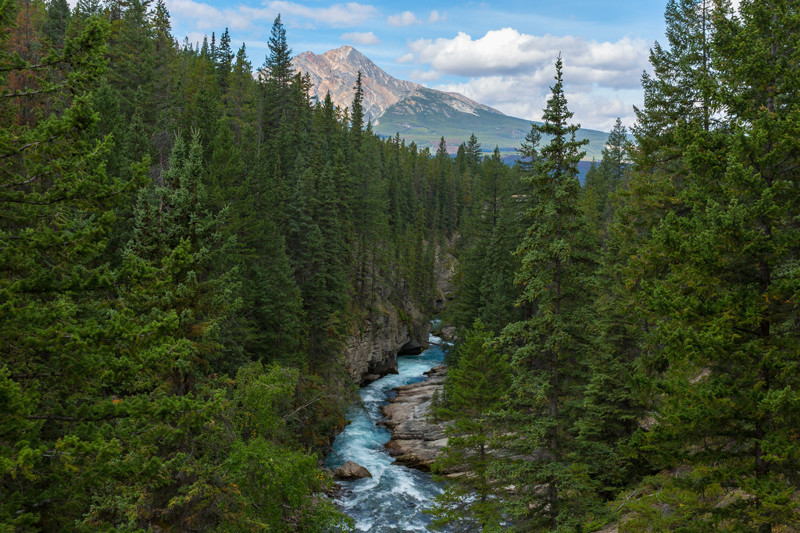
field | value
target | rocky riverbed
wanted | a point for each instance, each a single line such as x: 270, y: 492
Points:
x: 395, y: 497
x: 416, y: 440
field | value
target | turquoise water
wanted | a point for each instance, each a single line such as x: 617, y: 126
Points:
x: 394, y: 498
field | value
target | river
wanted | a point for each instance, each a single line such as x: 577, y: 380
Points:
x: 394, y: 498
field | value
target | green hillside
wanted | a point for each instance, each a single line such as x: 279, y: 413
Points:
x: 427, y: 115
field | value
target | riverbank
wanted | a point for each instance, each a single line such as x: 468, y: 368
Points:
x: 416, y: 440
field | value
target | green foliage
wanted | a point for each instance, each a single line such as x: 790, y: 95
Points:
x: 709, y: 271
x: 276, y: 490
x: 474, y: 390
x: 185, y: 251
x: 147, y: 211
x: 274, y: 486
x: 658, y: 329
x: 549, y: 347
x: 492, y: 230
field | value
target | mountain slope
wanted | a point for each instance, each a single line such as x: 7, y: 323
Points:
x: 417, y: 113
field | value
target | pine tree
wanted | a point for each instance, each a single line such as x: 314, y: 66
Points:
x: 57, y: 212
x: 679, y: 93
x: 723, y: 314
x: 473, y: 152
x: 556, y: 267
x: 132, y: 63
x: 240, y: 95
x: 357, y: 114
x: 490, y: 235
x: 55, y: 28
x: 474, y: 387
x: 275, y: 77
x: 174, y: 227
x: 223, y: 61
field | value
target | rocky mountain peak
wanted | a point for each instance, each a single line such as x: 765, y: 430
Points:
x: 336, y: 71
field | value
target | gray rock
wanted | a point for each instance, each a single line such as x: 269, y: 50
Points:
x: 372, y: 349
x: 416, y: 440
x: 351, y: 470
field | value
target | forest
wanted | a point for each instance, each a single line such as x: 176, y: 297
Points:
x: 187, y: 240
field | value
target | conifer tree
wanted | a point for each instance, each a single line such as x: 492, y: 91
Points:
x: 240, y: 91
x: 275, y: 77
x: 357, y: 114
x: 722, y: 313
x: 133, y: 60
x: 174, y: 227
x: 556, y: 267
x: 55, y: 28
x: 603, y: 179
x: 57, y: 212
x: 473, y: 152
x: 491, y: 234
x: 474, y: 387
x: 223, y: 61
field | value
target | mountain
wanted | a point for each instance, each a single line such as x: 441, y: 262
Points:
x: 414, y: 111
x: 336, y: 71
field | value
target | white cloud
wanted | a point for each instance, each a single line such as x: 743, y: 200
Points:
x: 358, y: 37
x: 526, y: 95
x: 405, y: 58
x: 508, y: 51
x: 435, y: 16
x: 206, y: 17
x: 406, y: 18
x: 426, y: 75
x: 513, y: 72
x: 203, y: 16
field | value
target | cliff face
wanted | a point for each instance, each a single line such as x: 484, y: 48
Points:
x: 372, y: 350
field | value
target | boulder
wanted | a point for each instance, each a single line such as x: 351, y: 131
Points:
x: 448, y: 333
x: 351, y: 470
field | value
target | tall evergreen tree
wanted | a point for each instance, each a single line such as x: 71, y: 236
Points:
x: 56, y: 216
x: 275, y: 76
x: 55, y: 27
x: 549, y: 346
x: 475, y: 388
x: 357, y: 114
x: 722, y: 313
x: 223, y: 61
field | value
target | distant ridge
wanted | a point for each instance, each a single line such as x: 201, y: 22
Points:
x: 417, y: 113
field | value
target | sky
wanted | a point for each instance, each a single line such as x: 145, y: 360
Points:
x: 501, y: 54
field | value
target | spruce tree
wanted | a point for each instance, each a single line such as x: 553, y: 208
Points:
x: 357, y: 114
x: 474, y: 387
x: 718, y: 288
x: 275, y: 77
x: 174, y: 227
x: 550, y: 344
x: 55, y: 28
x: 57, y: 213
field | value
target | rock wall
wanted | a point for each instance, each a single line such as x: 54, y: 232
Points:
x: 372, y: 350
x: 445, y: 269
x: 391, y: 329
